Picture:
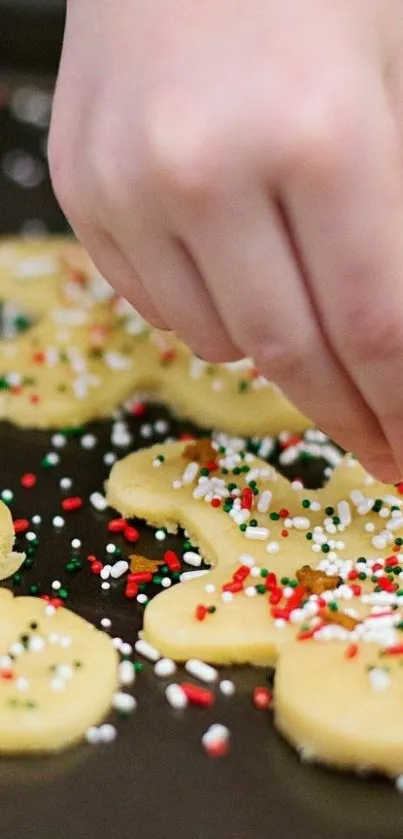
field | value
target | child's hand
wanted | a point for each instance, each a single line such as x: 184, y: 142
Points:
x: 235, y: 169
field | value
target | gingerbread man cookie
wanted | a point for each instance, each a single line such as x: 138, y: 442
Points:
x: 87, y: 351
x: 57, y: 676
x: 309, y: 579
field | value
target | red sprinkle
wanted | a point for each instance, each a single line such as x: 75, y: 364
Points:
x: 216, y: 502
x: 262, y: 698
x: 131, y: 591
x: 96, y: 567
x: 138, y: 409
x: 218, y: 748
x: 235, y: 587
x: 276, y: 596
x: 200, y: 612
x: 241, y: 573
x: 28, y: 480
x: 140, y: 577
x: 117, y: 525
x: 202, y: 697
x: 21, y: 525
x: 7, y: 675
x: 284, y: 533
x: 131, y: 534
x: 71, y: 504
x: 351, y: 651
x: 247, y: 498
x: 396, y: 649
x: 172, y: 560
x: 356, y: 589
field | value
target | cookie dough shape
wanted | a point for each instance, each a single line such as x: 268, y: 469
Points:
x: 339, y: 681
x: 57, y: 676
x: 10, y: 561
x: 341, y: 711
x: 87, y: 351
x: 243, y: 629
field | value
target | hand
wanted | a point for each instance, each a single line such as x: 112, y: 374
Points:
x: 235, y: 170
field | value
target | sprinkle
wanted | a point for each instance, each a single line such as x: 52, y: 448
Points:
x: 98, y: 501
x: 165, y: 668
x: 71, y: 504
x: 379, y: 678
x: 176, y: 697
x: 227, y: 687
x: 201, y: 670
x: 262, y: 698
x: 216, y: 741
x: 124, y: 703
x: 192, y: 558
x: 126, y: 673
x: 147, y: 650
x: 259, y: 533
x: 119, y: 569
x: 201, y: 697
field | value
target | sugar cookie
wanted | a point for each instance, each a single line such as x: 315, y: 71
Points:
x: 57, y: 676
x: 10, y: 561
x: 258, y: 531
x: 87, y: 351
x: 309, y: 579
x: 342, y: 711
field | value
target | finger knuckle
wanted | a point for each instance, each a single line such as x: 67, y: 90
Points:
x: 280, y: 359
x: 321, y: 137
x: 371, y: 336
x: 182, y: 153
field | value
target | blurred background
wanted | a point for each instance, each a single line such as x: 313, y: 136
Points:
x: 31, y: 34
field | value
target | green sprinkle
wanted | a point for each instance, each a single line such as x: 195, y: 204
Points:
x: 260, y: 589
x: 34, y: 590
x: 305, y: 503
x: 329, y: 511
x: 325, y: 548
x: 274, y: 516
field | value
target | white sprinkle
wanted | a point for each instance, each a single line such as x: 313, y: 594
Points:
x: 142, y: 598
x: 165, y: 668
x: 192, y: 558
x: 344, y: 513
x: 105, y: 572
x: 105, y: 586
x: 126, y: 673
x: 126, y: 649
x: 109, y: 458
x: 98, y: 501
x: 300, y: 522
x: 56, y: 585
x: 315, y: 506
x: 36, y: 520
x: 147, y: 650
x: 272, y: 547
x: 76, y: 544
x: 65, y: 483
x: 227, y: 687
x: 88, y: 441
x: 191, y: 575
x: 190, y: 473
x: 379, y: 542
x: 201, y: 670
x: 59, y: 441
x: 106, y: 623
x: 92, y: 735
x: 22, y: 684
x: 395, y: 523
x: 119, y: 569
x: 160, y: 535
x: 227, y: 596
x: 250, y: 591
x: 399, y: 783
x: 36, y: 644
x: 379, y: 679
x: 176, y: 697
x: 124, y: 703
x: 260, y: 533
x: 110, y: 548
x: 107, y: 733
x: 58, y: 521
x: 210, y: 588
x: 264, y: 501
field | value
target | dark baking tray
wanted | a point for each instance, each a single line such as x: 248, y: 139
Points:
x: 31, y: 33
x: 155, y: 780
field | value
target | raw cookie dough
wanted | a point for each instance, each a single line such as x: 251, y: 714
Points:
x: 10, y: 561
x: 57, y: 675
x: 341, y: 711
x: 87, y: 351
x: 287, y: 528
x: 310, y: 579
